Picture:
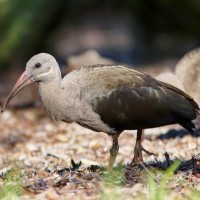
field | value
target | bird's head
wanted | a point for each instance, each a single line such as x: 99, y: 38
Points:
x: 40, y: 68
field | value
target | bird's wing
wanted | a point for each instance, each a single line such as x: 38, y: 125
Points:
x: 173, y: 89
x: 128, y: 99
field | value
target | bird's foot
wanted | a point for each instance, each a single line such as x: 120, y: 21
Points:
x: 111, y: 162
x: 148, y: 152
x: 138, y: 158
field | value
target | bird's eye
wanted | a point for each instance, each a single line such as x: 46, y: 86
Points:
x: 37, y: 65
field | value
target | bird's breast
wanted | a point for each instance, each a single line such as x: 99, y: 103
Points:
x: 60, y: 104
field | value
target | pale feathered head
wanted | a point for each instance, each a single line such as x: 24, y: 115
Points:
x: 40, y: 68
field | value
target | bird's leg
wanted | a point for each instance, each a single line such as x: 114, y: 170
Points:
x: 139, y: 148
x: 113, y: 151
x: 138, y: 151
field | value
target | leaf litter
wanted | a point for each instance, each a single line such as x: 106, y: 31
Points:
x: 51, y: 160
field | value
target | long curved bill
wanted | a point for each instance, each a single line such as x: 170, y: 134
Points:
x: 22, y: 82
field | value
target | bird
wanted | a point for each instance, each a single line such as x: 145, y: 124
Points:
x: 187, y: 71
x: 107, y: 98
x: 186, y: 76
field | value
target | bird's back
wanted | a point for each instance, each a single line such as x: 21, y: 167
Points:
x: 128, y: 99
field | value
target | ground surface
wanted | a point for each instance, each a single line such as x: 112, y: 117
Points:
x: 36, y: 153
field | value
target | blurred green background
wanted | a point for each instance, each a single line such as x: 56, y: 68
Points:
x: 128, y: 31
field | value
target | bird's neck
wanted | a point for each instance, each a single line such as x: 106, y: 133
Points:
x: 50, y: 92
x: 51, y: 86
x: 52, y: 83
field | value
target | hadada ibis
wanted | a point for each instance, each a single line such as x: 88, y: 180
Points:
x: 107, y: 98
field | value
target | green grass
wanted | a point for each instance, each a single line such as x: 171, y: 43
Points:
x: 157, y: 185
x: 153, y: 185
x: 114, y: 177
x: 112, y: 181
x: 12, y: 188
x: 159, y: 191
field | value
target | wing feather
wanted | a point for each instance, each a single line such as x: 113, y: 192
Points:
x: 131, y: 100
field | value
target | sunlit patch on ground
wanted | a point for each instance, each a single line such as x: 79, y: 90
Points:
x: 45, y: 159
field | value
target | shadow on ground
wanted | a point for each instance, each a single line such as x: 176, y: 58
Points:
x: 187, y: 168
x: 178, y: 133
